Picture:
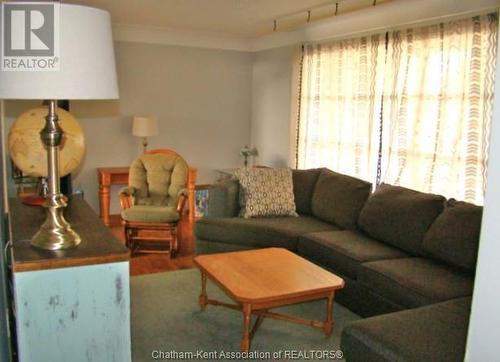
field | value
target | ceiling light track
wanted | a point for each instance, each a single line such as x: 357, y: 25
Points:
x: 309, y: 12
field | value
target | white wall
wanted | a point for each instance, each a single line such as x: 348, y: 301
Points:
x: 202, y: 98
x: 483, y: 340
x: 271, y: 90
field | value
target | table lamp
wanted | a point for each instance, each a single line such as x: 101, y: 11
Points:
x: 67, y: 55
x: 144, y: 127
x: 247, y: 152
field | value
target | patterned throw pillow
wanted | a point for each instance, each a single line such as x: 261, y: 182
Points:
x: 266, y: 192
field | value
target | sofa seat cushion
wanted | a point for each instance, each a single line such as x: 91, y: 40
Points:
x: 259, y: 232
x: 414, y: 282
x: 437, y: 332
x: 400, y: 216
x: 454, y: 237
x: 345, y: 250
x: 338, y: 199
x: 155, y: 214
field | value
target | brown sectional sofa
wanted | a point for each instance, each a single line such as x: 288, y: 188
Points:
x: 407, y: 257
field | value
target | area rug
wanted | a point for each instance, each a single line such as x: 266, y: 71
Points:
x: 167, y: 324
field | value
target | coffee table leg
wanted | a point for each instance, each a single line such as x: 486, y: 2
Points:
x: 328, y: 324
x: 203, y: 296
x: 247, y: 317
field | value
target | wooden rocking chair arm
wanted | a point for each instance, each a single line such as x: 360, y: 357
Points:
x: 126, y: 201
x: 181, y: 203
x: 126, y: 196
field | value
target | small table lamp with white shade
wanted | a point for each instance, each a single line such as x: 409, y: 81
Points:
x: 85, y: 70
x: 144, y: 127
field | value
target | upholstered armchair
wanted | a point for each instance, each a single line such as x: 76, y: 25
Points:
x: 154, y: 201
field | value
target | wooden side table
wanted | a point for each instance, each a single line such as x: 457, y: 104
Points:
x: 225, y: 174
x: 108, y: 176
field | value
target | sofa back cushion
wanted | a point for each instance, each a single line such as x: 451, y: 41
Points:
x: 454, y: 236
x: 338, y: 198
x: 400, y: 216
x: 223, y: 199
x: 304, y: 182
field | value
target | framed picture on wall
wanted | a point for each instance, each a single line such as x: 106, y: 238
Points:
x: 201, y: 200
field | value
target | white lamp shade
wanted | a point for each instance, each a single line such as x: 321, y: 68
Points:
x: 145, y: 126
x: 86, y: 63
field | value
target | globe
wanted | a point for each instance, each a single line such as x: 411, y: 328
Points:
x: 29, y: 153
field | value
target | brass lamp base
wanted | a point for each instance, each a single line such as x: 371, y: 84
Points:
x: 55, y: 233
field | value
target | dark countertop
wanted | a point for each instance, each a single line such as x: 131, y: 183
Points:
x: 98, y: 245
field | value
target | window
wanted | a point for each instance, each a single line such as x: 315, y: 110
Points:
x: 410, y: 107
x: 341, y: 92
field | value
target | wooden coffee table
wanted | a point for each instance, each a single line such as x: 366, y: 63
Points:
x: 259, y: 280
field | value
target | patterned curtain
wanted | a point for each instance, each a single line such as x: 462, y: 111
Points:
x: 437, y: 107
x: 412, y: 108
x: 341, y: 87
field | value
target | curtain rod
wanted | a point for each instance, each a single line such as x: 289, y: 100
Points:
x: 402, y: 26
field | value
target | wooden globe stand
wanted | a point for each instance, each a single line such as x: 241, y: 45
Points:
x: 33, y: 200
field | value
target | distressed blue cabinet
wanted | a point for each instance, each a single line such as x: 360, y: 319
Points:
x: 71, y: 305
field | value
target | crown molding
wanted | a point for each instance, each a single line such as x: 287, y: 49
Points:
x: 166, y: 36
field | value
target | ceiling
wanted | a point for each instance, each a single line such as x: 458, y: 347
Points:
x: 239, y: 18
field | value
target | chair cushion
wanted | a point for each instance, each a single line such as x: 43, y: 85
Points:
x: 304, y: 182
x: 158, y: 178
x: 414, y: 282
x: 454, y: 237
x: 259, y: 232
x: 266, y: 192
x: 155, y: 214
x: 339, y: 198
x: 344, y: 251
x: 400, y: 216
x: 437, y: 332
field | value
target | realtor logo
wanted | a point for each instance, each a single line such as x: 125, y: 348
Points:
x: 30, y: 36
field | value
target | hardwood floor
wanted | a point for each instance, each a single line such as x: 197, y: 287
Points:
x: 142, y: 263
